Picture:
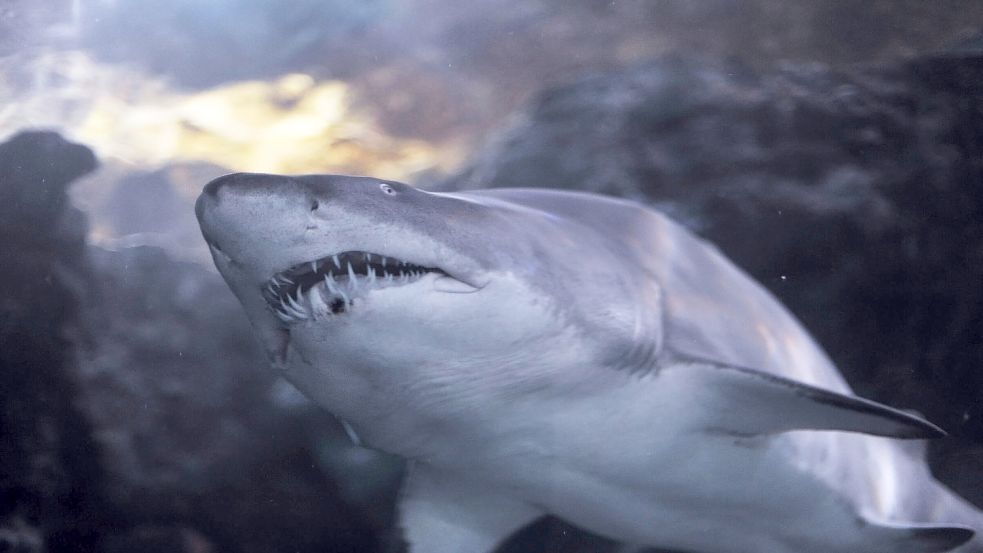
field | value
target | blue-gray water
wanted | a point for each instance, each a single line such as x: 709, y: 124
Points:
x: 831, y: 149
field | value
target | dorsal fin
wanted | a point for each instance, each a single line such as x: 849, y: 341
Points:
x: 748, y: 402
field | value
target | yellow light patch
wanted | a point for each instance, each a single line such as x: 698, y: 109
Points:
x: 293, y: 124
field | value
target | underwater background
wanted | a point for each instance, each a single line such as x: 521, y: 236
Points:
x: 833, y: 149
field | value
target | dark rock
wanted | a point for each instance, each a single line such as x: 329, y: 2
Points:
x: 191, y: 418
x: 35, y: 170
x: 159, y: 539
x: 17, y: 536
x: 854, y: 195
x: 136, y: 411
x: 50, y: 476
x: 550, y: 534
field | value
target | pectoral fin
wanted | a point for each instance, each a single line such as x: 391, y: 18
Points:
x: 915, y: 538
x: 747, y: 402
x: 441, y: 513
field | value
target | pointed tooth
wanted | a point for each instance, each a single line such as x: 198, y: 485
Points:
x: 295, y: 310
x: 368, y: 256
x: 352, y: 279
x: 343, y: 295
x: 318, y: 307
x: 296, y: 313
x: 283, y: 316
x: 371, y: 274
x: 313, y: 266
x: 389, y: 276
x: 296, y: 304
x: 384, y: 262
x: 329, y: 281
x: 337, y: 263
x: 292, y: 309
x: 282, y: 311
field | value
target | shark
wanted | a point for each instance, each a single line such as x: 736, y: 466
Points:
x: 536, y: 352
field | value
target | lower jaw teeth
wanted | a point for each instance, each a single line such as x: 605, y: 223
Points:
x: 317, y: 303
x: 318, y: 307
x: 333, y: 297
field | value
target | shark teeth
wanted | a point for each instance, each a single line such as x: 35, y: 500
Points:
x: 328, y: 287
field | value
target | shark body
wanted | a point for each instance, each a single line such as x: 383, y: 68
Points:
x: 536, y: 352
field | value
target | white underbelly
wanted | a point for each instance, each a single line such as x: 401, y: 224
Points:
x: 605, y: 465
x: 621, y: 460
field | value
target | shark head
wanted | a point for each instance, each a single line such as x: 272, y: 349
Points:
x: 360, y: 274
x: 323, y: 252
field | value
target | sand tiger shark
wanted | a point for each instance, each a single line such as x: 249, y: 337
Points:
x: 536, y: 352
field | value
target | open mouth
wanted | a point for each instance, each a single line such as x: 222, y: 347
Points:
x: 328, y: 286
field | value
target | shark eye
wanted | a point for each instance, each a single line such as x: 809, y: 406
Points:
x: 387, y: 189
x: 315, y: 205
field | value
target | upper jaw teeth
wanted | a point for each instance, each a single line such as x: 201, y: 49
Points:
x: 330, y: 286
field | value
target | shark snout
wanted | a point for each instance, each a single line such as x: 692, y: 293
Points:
x: 234, y: 203
x: 211, y: 196
x: 240, y: 183
x: 232, y: 188
x: 212, y: 188
x: 242, y: 213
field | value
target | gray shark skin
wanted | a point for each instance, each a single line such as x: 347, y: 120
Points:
x: 537, y: 352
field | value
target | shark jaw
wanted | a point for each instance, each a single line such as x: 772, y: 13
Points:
x: 339, y: 288
x: 324, y: 288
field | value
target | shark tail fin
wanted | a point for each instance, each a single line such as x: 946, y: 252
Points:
x: 917, y: 538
